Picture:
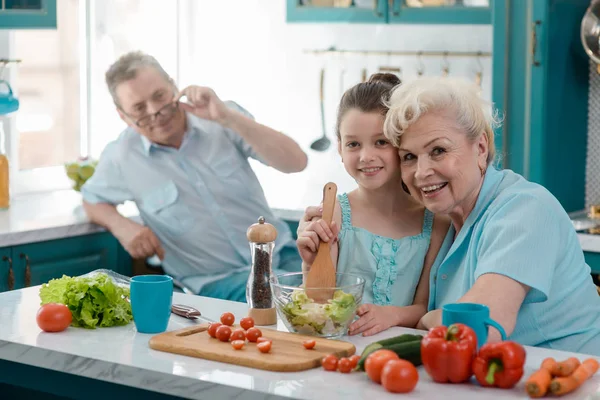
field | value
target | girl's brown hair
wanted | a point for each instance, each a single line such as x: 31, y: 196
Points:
x: 370, y: 96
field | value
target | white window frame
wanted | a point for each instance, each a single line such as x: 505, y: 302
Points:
x: 54, y: 178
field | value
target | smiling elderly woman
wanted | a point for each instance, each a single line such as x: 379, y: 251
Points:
x: 511, y: 245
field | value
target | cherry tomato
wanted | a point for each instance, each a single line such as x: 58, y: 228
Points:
x: 238, y: 344
x: 212, y: 329
x: 309, y: 344
x: 252, y: 334
x: 54, y: 317
x: 246, y: 323
x: 223, y: 333
x: 345, y: 365
x: 375, y: 362
x: 264, y: 347
x: 227, y: 318
x: 399, y: 376
x: 262, y: 339
x: 329, y: 362
x: 238, y: 334
x: 354, y: 360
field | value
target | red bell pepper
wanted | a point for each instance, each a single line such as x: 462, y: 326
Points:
x: 499, y: 364
x: 447, y: 353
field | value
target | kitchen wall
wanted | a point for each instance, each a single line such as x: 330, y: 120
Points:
x: 247, y: 53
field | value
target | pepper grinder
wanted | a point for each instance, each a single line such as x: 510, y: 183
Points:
x: 262, y: 237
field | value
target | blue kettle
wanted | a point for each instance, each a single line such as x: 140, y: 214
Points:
x: 8, y: 102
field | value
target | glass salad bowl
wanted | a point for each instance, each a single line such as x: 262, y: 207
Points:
x: 301, y: 314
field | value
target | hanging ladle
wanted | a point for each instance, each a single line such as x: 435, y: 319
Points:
x: 323, y: 142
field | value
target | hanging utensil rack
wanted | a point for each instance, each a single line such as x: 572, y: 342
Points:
x: 420, y: 53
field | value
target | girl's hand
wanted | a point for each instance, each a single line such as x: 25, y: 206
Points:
x: 309, y: 239
x: 311, y: 213
x: 374, y: 319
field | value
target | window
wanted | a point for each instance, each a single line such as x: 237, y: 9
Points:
x: 66, y: 110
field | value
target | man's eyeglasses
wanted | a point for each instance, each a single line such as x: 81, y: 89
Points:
x: 165, y: 111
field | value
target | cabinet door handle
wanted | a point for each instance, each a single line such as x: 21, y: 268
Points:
x: 392, y: 4
x: 27, y: 270
x: 534, y: 40
x: 376, y: 8
x: 11, y: 274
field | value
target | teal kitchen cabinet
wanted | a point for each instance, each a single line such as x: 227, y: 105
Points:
x: 302, y: 11
x: 6, y: 269
x: 399, y: 12
x: 593, y: 260
x: 387, y: 11
x: 37, y: 263
x: 28, y: 14
x: 540, y: 84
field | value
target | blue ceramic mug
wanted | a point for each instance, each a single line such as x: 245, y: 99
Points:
x: 476, y: 316
x: 8, y: 102
x: 151, y: 297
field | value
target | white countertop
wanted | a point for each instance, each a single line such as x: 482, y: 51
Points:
x: 59, y: 214
x: 121, y: 355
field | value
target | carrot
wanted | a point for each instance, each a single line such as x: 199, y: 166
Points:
x: 550, y: 364
x: 567, y: 367
x: 538, y: 383
x: 564, y: 385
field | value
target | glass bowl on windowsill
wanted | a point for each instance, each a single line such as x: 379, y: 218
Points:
x: 80, y: 170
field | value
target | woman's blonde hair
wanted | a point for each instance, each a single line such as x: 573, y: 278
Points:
x: 411, y: 100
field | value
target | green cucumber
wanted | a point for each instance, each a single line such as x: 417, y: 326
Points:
x: 409, y: 351
x: 385, y: 343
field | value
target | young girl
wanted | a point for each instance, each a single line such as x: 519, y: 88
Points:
x: 385, y: 236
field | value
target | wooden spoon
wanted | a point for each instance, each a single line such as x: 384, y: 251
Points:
x: 322, y: 272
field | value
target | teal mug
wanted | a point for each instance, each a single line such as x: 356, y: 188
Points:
x: 475, y: 316
x: 8, y: 102
x: 151, y: 297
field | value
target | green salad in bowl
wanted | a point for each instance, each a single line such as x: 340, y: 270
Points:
x: 301, y: 314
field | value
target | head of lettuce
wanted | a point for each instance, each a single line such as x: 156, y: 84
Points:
x: 93, y: 300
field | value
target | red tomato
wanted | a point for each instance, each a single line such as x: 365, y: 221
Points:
x: 309, y: 344
x: 354, y: 360
x: 246, y: 323
x: 53, y: 317
x: 262, y: 339
x: 345, y: 365
x: 238, y: 334
x: 399, y: 376
x: 375, y: 362
x: 227, y: 318
x: 238, y: 344
x: 264, y: 347
x: 212, y: 329
x: 329, y: 362
x: 223, y: 333
x: 252, y: 334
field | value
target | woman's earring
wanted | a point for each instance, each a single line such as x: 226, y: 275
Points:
x: 482, y: 170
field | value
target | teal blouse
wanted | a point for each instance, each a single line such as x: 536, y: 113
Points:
x: 391, y: 267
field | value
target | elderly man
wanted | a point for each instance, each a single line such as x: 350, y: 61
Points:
x: 185, y: 165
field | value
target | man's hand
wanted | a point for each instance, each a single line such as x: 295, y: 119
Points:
x: 138, y: 240
x: 204, y: 103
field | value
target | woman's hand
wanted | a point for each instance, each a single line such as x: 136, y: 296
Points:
x: 374, y: 319
x: 430, y: 320
x: 310, y: 237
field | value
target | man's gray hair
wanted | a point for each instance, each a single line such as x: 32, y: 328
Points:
x: 126, y: 68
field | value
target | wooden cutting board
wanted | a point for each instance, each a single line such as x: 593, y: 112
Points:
x: 287, y: 352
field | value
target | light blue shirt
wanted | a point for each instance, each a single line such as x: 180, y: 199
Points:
x: 199, y: 199
x: 391, y: 267
x: 518, y: 229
